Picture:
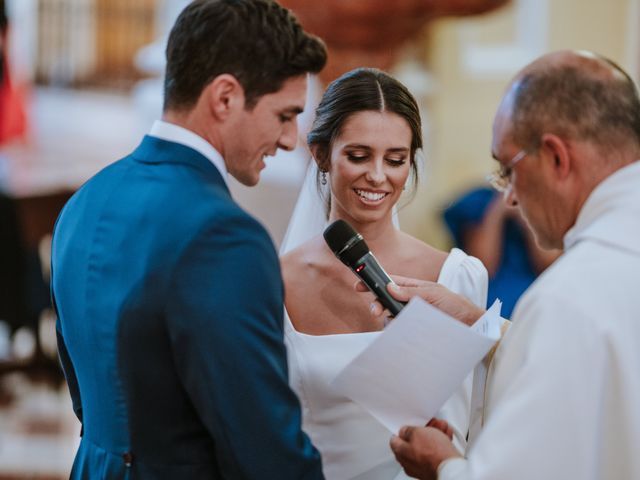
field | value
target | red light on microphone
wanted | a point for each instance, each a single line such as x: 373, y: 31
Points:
x: 359, y: 268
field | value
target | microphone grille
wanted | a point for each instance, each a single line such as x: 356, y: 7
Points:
x: 338, y: 234
x: 345, y: 242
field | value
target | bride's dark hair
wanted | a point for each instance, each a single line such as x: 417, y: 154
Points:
x: 362, y: 89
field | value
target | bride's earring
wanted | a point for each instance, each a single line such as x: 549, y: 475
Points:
x: 323, y: 179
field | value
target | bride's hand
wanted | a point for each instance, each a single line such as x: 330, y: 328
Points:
x: 437, y: 295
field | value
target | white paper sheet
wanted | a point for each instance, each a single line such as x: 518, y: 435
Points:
x: 415, y: 365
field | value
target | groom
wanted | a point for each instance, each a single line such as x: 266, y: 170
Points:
x: 169, y: 296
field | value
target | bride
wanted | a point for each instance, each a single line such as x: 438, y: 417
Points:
x: 364, y: 140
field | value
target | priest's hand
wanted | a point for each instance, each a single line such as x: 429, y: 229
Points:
x: 441, y: 425
x: 437, y: 295
x: 420, y: 450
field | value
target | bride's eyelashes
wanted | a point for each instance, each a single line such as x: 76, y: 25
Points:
x: 357, y: 158
x: 396, y: 162
x: 360, y: 158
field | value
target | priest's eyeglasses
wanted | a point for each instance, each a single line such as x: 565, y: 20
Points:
x: 501, y: 178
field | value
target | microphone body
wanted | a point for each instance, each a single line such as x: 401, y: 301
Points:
x: 349, y: 246
x: 376, y: 279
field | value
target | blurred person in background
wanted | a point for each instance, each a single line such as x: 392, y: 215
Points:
x: 13, y: 296
x: 13, y: 118
x: 484, y: 226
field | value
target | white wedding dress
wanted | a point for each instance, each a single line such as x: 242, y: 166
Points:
x: 352, y: 443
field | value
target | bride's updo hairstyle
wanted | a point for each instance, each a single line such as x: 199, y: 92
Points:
x: 362, y: 89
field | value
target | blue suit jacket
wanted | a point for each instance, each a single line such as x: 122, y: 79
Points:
x: 170, y: 301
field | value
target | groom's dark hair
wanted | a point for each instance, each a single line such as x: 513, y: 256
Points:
x: 259, y: 42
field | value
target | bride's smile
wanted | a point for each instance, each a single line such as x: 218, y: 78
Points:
x: 370, y: 197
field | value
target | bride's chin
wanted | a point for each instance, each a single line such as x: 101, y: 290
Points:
x: 363, y: 216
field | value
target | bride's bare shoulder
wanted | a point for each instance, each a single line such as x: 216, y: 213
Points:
x: 308, y: 257
x: 310, y: 267
x: 419, y: 258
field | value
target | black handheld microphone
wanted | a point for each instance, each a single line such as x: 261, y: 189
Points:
x: 349, y: 246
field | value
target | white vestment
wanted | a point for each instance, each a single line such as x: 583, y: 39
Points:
x: 563, y: 393
x: 353, y: 444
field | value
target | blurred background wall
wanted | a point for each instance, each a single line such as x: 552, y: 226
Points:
x: 82, y: 83
x: 471, y: 61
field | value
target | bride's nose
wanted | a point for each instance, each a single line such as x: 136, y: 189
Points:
x: 375, y: 173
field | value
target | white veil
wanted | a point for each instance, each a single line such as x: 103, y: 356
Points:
x: 308, y: 218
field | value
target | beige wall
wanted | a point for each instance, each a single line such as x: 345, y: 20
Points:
x: 472, y: 60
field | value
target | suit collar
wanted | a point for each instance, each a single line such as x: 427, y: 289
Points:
x: 154, y: 150
x: 175, y: 133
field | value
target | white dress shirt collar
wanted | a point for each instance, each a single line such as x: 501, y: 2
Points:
x: 173, y: 133
x: 610, y: 214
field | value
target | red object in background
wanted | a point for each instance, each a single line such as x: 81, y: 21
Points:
x: 13, y: 116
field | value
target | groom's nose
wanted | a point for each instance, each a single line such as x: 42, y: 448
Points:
x: 289, y: 137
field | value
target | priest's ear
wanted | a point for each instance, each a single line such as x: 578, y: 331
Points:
x: 557, y: 154
x: 224, y: 96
